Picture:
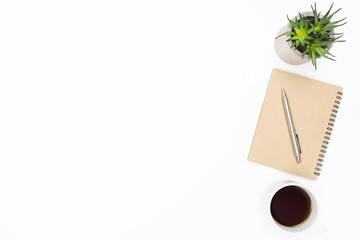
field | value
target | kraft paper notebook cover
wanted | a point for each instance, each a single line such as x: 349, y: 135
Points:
x: 313, y: 105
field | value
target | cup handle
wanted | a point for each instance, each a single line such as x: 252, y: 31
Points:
x: 319, y: 228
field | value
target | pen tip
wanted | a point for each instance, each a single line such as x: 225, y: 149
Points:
x: 283, y: 92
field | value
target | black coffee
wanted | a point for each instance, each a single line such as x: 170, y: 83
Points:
x: 290, y: 206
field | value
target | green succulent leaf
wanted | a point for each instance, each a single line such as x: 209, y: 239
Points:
x: 329, y: 18
x: 287, y: 33
x: 316, y: 18
x: 310, y: 30
x: 328, y: 12
x: 312, y: 56
x: 331, y: 27
x: 293, y: 24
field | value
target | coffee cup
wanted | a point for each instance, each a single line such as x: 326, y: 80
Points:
x: 293, y: 207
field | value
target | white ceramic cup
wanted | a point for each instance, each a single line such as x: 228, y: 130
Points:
x: 313, y: 214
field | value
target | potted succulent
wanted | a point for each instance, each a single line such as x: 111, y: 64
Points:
x: 308, y: 37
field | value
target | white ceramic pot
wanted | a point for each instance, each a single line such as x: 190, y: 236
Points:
x: 283, y: 47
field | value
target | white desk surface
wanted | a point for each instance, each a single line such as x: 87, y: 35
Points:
x: 133, y: 120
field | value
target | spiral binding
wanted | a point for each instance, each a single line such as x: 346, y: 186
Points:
x: 329, y: 128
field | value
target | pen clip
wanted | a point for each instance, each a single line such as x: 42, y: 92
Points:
x: 297, y: 141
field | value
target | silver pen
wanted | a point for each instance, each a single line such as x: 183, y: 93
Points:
x: 293, y: 133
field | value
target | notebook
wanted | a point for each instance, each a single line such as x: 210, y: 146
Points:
x: 314, y: 106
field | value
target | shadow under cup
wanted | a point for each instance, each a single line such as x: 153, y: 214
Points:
x: 292, y: 208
